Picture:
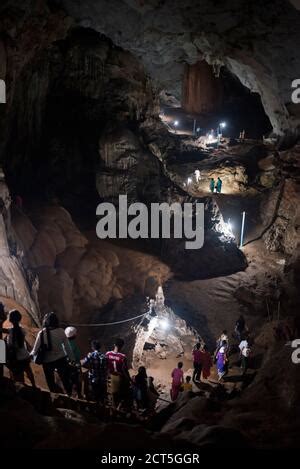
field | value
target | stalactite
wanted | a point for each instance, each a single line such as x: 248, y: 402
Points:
x: 202, y: 91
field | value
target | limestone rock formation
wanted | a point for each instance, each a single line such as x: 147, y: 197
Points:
x: 14, y: 284
x: 80, y: 274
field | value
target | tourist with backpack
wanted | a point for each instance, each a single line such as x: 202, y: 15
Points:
x: 96, y: 364
x: 17, y: 354
x: 52, y: 351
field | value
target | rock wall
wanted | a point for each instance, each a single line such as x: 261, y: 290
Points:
x: 15, y: 282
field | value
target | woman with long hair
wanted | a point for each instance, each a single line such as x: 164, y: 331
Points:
x: 56, y: 350
x: 18, y: 360
x: 141, y: 388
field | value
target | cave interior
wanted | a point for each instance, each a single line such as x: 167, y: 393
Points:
x: 154, y: 109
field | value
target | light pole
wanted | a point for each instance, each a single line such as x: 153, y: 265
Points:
x: 242, y: 230
x: 222, y: 125
x: 194, y: 128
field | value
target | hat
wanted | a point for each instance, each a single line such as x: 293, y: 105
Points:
x: 71, y: 332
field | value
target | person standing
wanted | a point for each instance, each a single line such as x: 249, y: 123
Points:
x: 240, y: 327
x: 18, y: 357
x: 197, y: 363
x: 223, y: 336
x: 212, y: 185
x: 75, y: 367
x: 206, y: 362
x: 56, y: 351
x: 141, y: 388
x: 222, y: 360
x: 96, y: 363
x: 197, y: 175
x: 219, y: 185
x: 119, y: 378
x: 187, y: 386
x: 153, y: 394
x: 245, y: 354
x: 177, y: 381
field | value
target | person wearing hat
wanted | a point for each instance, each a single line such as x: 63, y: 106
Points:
x: 71, y: 334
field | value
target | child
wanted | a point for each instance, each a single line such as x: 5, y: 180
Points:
x: 187, y: 386
x: 177, y: 375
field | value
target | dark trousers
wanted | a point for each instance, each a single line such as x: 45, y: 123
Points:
x: 244, y: 363
x: 99, y: 390
x: 197, y: 371
x: 63, y: 370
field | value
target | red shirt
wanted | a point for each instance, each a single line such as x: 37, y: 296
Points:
x: 197, y: 356
x: 116, y: 362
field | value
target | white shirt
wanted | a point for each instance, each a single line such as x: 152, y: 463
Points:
x: 243, y: 346
x: 60, y: 346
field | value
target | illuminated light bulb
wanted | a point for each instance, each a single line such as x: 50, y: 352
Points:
x: 176, y: 123
x: 164, y: 324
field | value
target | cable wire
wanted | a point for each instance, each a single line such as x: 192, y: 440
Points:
x: 108, y: 323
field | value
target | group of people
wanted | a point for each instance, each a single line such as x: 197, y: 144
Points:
x: 203, y: 361
x: 223, y: 349
x: 108, y: 378
x: 202, y: 364
x: 56, y: 350
x: 216, y: 186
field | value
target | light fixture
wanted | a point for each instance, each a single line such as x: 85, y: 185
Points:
x: 223, y: 125
x: 164, y: 324
x: 176, y: 123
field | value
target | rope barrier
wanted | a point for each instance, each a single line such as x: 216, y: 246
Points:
x: 108, y: 323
